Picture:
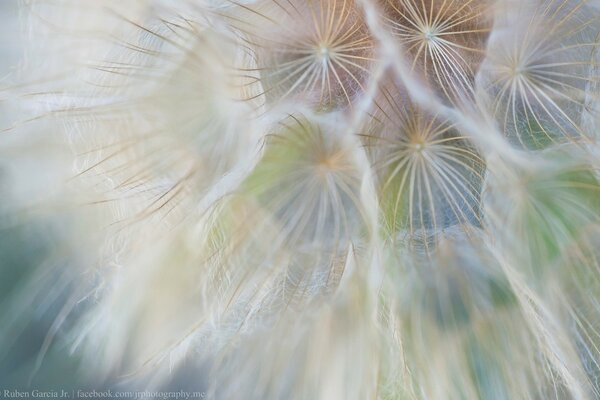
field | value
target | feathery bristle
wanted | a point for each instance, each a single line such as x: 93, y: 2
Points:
x: 300, y: 199
x: 445, y: 39
x: 316, y: 52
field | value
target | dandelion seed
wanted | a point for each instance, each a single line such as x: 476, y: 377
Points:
x: 539, y: 73
x: 153, y: 153
x: 316, y: 52
x: 547, y: 207
x: 306, y: 199
x: 309, y: 179
x: 445, y: 39
x: 430, y: 176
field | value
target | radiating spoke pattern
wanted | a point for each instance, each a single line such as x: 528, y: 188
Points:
x: 309, y: 180
x: 429, y: 174
x: 541, y: 76
x: 316, y: 51
x: 303, y: 199
x: 445, y: 41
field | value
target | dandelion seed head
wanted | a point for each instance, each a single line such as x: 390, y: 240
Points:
x: 303, y: 199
